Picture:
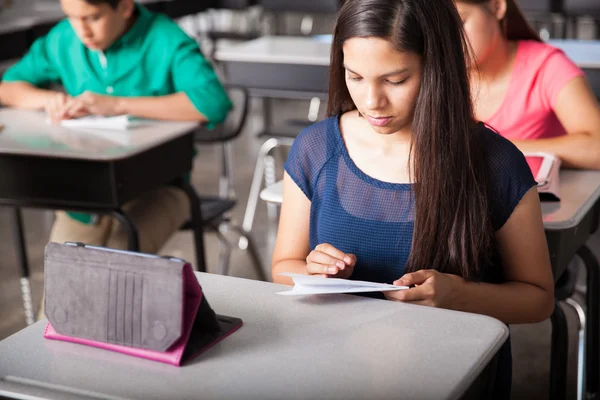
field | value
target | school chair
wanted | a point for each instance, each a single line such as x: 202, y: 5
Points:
x: 216, y: 210
x: 273, y: 194
x: 264, y: 172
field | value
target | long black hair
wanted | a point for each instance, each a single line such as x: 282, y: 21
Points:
x: 452, y: 228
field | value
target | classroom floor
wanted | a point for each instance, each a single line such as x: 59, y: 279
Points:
x: 531, y: 343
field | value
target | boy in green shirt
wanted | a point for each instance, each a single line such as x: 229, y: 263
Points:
x: 116, y: 57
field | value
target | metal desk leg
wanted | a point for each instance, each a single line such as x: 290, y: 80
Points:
x: 559, y: 353
x: 581, y: 395
x: 23, y: 262
x: 197, y: 224
x: 133, y: 241
x: 592, y: 335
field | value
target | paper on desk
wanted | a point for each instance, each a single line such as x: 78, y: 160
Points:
x: 307, y: 284
x: 113, y: 129
x: 120, y: 122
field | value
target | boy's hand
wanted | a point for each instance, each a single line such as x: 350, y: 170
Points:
x: 93, y: 103
x: 56, y: 107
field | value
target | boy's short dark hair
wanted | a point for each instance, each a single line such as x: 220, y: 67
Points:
x: 112, y: 3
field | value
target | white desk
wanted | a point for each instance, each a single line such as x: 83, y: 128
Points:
x: 319, y: 347
x: 28, y: 133
x: 49, y: 165
x: 580, y: 191
x: 278, y: 50
x: 281, y: 66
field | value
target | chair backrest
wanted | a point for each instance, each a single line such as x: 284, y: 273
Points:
x: 233, y: 125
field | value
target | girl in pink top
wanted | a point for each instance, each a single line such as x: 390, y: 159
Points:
x: 528, y: 91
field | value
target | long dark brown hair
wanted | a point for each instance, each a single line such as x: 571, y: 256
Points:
x: 514, y: 22
x: 452, y: 227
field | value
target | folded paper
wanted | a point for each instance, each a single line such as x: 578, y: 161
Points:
x: 309, y: 284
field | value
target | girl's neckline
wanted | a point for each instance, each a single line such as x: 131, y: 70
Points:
x: 356, y: 170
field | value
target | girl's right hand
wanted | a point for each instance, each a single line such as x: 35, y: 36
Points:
x: 327, y: 261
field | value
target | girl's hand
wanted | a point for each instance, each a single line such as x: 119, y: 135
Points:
x: 431, y: 288
x: 327, y: 261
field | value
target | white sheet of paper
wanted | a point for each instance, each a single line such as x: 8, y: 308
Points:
x: 120, y: 122
x: 307, y: 284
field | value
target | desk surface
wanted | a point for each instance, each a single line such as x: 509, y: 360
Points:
x: 278, y: 50
x: 579, y: 191
x: 325, y: 347
x: 26, y: 132
x: 585, y: 53
x: 315, y: 51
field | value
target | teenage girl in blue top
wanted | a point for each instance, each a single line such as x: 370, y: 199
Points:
x: 401, y: 184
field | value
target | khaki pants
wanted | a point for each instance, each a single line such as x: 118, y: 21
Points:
x: 156, y: 215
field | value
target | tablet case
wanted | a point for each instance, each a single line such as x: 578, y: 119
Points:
x: 132, y: 303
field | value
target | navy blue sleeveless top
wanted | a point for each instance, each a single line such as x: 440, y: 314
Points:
x: 373, y: 219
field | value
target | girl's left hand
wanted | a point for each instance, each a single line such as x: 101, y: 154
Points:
x: 432, y: 288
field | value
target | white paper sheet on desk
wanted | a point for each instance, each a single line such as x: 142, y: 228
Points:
x: 307, y: 284
x: 120, y: 122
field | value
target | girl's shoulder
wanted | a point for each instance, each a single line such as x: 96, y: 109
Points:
x: 312, y: 149
x: 535, y: 56
x: 500, y: 151
x: 509, y: 174
x: 320, y: 140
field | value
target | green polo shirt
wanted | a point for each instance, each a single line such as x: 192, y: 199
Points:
x: 154, y: 58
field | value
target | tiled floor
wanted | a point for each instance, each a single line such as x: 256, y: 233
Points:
x: 531, y: 343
